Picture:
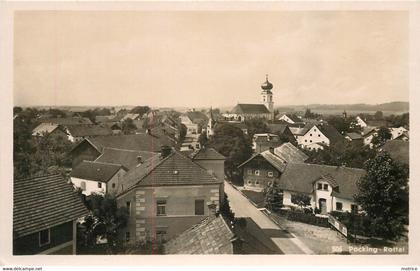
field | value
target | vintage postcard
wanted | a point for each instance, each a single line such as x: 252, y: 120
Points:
x: 272, y: 130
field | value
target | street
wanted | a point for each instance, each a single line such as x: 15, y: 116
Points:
x: 286, y: 242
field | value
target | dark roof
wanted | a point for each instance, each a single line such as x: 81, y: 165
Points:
x: 89, y: 130
x: 138, y: 142
x: 398, y: 150
x: 207, y: 154
x: 354, y: 136
x: 250, y: 109
x: 274, y: 160
x: 294, y: 117
x: 197, y: 117
x: 67, y: 121
x: 299, y: 177
x: 43, y: 202
x: 211, y: 236
x: 266, y: 137
x: 95, y: 171
x: 127, y: 158
x: 331, y: 133
x: 278, y: 127
x: 175, y: 169
x: 291, y: 154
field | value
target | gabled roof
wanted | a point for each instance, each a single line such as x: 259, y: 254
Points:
x: 126, y: 158
x: 67, y: 121
x: 398, y: 150
x: 96, y: 171
x: 267, y: 137
x: 301, y: 130
x: 293, y: 117
x: 278, y: 127
x: 84, y: 130
x: 175, y: 169
x: 211, y: 236
x: 207, y: 154
x: 43, y: 202
x: 250, y: 109
x: 274, y: 160
x: 299, y: 177
x: 331, y: 133
x: 291, y: 154
x: 197, y: 116
x: 354, y: 136
x: 44, y: 128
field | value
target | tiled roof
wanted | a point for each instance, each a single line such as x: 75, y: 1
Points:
x: 88, y: 130
x: 44, y: 127
x: 354, y: 136
x: 291, y: 154
x: 95, y: 171
x: 127, y: 158
x: 138, y: 142
x: 299, y: 177
x: 277, y: 127
x: 250, y: 109
x: 398, y: 150
x: 211, y: 236
x: 267, y: 137
x: 274, y: 160
x: 197, y: 116
x: 175, y: 169
x: 67, y: 121
x: 207, y: 154
x: 43, y: 202
x: 294, y: 118
x: 331, y: 133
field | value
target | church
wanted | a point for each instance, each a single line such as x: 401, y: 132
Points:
x: 265, y: 109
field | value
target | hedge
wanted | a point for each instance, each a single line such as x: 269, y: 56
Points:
x: 305, y: 218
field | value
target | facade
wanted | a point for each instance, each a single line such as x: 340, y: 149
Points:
x: 360, y: 122
x: 97, y: 177
x: 329, y: 188
x: 397, y: 132
x: 45, y: 210
x: 318, y: 136
x: 166, y: 195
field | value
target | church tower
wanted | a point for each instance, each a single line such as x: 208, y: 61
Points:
x: 267, y: 95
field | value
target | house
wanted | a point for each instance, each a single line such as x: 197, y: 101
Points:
x: 49, y: 129
x: 79, y: 132
x: 405, y: 136
x: 261, y: 170
x: 397, y: 132
x: 263, y: 142
x: 126, y: 158
x: 368, y: 134
x: 283, y: 131
x: 361, y: 122
x: 354, y: 137
x: 315, y: 137
x: 194, y: 121
x: 398, y: 150
x: 330, y: 188
x: 94, y: 177
x: 211, y: 236
x: 290, y: 118
x: 165, y: 196
x: 90, y: 148
x: 45, y: 210
x: 211, y: 160
x: 66, y: 121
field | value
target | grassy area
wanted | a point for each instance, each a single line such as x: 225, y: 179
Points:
x: 256, y: 197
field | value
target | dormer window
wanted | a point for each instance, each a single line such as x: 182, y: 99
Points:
x: 325, y: 186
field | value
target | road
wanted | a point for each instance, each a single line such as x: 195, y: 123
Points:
x: 286, y: 242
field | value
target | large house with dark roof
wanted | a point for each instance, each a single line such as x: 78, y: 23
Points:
x: 45, y: 210
x: 165, y: 196
x: 330, y: 188
x: 315, y: 137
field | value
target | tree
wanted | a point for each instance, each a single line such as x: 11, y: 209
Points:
x: 273, y: 198
x: 343, y: 125
x: 128, y: 126
x: 141, y: 110
x: 379, y: 115
x: 381, y: 136
x: 202, y: 139
x: 310, y: 115
x: 301, y: 200
x: 17, y: 109
x: 383, y: 193
x: 256, y: 126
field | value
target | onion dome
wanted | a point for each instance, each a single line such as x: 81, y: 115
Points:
x: 266, y: 85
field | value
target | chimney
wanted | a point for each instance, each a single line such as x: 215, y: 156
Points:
x: 272, y: 150
x: 212, y: 209
x: 165, y: 151
x: 139, y: 160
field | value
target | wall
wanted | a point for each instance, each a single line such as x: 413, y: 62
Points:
x: 91, y: 186
x: 346, y: 204
x: 287, y: 198
x: 29, y: 244
x: 116, y: 179
x: 180, y: 209
x: 259, y: 182
x: 84, y: 151
x: 314, y: 135
x: 325, y: 194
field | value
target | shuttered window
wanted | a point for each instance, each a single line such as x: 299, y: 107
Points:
x: 199, y: 207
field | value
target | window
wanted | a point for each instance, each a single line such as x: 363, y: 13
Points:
x: 128, y: 205
x: 257, y: 172
x: 310, y: 140
x: 249, y: 171
x: 270, y: 174
x: 249, y: 182
x: 83, y: 185
x: 319, y: 186
x: 354, y: 208
x: 314, y: 130
x: 325, y: 186
x: 257, y: 182
x: 99, y: 185
x: 113, y: 185
x: 339, y: 206
x: 306, y: 140
x: 44, y: 237
x: 199, y: 207
x: 319, y: 135
x: 127, y: 236
x: 161, y: 207
x: 310, y: 134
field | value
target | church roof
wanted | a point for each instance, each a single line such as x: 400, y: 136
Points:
x: 250, y: 109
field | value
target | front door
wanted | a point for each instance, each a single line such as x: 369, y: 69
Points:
x: 323, y: 206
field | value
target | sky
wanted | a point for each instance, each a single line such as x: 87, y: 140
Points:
x: 209, y: 58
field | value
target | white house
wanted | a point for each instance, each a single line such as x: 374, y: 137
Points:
x: 361, y: 122
x: 330, y: 188
x: 292, y: 119
x: 396, y: 132
x: 315, y: 137
x: 97, y: 177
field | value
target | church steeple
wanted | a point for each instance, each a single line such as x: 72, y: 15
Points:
x: 267, y: 95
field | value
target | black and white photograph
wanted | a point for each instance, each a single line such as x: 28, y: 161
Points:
x: 199, y: 131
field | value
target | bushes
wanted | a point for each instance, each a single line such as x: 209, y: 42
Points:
x: 305, y: 217
x: 356, y: 223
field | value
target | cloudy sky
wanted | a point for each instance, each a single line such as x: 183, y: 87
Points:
x: 203, y: 58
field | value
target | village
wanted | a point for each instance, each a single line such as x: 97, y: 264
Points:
x: 249, y: 180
